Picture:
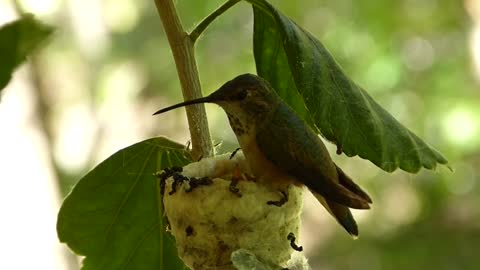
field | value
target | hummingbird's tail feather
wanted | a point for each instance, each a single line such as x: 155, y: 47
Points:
x: 341, y: 195
x: 341, y: 213
x: 350, y: 185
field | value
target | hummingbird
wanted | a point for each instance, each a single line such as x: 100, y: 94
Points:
x: 282, y: 149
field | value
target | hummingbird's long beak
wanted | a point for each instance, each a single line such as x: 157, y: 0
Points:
x: 207, y: 99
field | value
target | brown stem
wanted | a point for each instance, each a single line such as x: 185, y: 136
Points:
x: 183, y: 53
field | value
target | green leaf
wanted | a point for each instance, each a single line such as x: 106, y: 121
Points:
x: 113, y: 216
x: 270, y: 60
x: 301, y: 69
x: 18, y: 39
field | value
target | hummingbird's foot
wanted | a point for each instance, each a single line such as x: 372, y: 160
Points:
x: 234, y: 152
x: 281, y: 202
x: 233, y: 187
x: 292, y: 238
x: 178, y: 179
x: 196, y: 182
x: 165, y: 174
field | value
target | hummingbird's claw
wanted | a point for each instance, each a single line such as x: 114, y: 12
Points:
x: 233, y: 187
x: 237, y: 175
x: 196, y: 182
x: 281, y: 202
x: 178, y: 179
x: 166, y: 173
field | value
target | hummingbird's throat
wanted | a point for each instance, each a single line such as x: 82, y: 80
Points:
x: 237, y: 125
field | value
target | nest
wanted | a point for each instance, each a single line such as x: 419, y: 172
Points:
x: 215, y: 207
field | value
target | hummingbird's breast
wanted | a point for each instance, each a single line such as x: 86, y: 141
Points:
x: 262, y: 168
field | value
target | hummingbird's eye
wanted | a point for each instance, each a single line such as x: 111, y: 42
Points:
x: 240, y: 95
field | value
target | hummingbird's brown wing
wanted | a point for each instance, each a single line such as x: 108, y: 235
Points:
x: 350, y: 185
x: 340, y: 212
x: 295, y: 149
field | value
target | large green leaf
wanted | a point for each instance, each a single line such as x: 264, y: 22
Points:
x: 113, y: 216
x: 17, y: 40
x: 295, y: 61
x: 270, y: 60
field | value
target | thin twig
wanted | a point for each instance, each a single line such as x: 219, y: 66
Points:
x: 183, y: 53
x: 210, y: 18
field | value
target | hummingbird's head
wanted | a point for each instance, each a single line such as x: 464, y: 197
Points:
x: 246, y: 99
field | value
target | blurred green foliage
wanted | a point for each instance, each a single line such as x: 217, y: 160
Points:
x: 414, y: 57
x: 17, y: 40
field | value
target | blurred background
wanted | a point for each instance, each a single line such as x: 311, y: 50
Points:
x: 92, y: 90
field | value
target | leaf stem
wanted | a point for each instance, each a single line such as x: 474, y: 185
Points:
x: 183, y: 53
x: 210, y: 18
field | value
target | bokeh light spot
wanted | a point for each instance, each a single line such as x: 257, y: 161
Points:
x: 119, y: 84
x: 418, y: 54
x: 383, y: 74
x: 402, y: 204
x: 74, y: 137
x: 91, y: 33
x: 461, y: 125
x: 121, y: 16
